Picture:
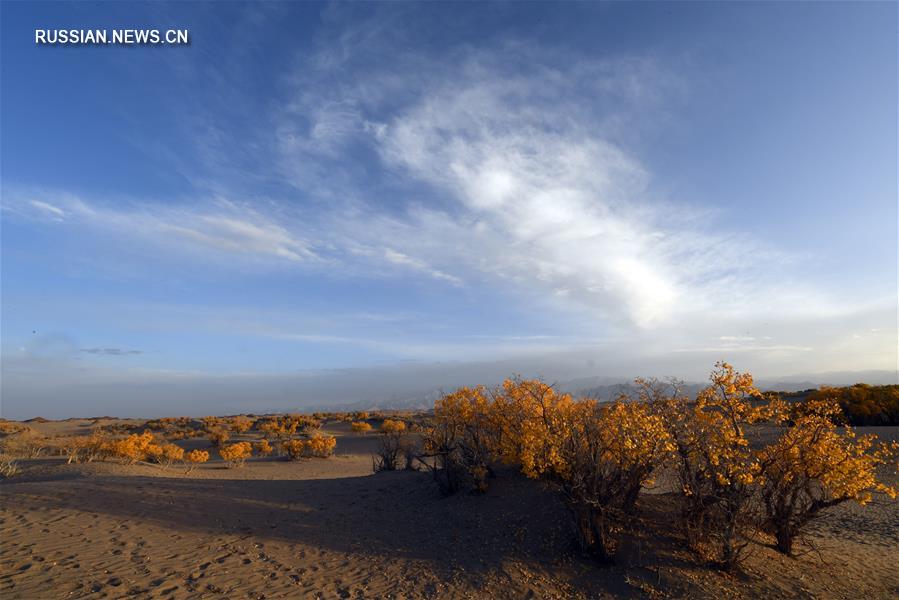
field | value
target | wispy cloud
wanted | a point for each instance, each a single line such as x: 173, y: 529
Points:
x: 398, y: 258
x: 111, y: 351
x: 525, y: 180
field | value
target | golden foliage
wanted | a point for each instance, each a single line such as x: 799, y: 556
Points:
x: 460, y: 440
x: 391, y: 427
x: 236, y: 454
x: 718, y: 471
x: 286, y: 426
x: 360, y: 427
x: 240, y: 424
x: 133, y: 448
x: 262, y: 447
x: 319, y: 446
x: 194, y: 458
x: 814, y: 466
x: 218, y: 436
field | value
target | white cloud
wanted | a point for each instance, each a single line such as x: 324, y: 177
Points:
x: 219, y: 226
x: 47, y: 208
x: 398, y: 258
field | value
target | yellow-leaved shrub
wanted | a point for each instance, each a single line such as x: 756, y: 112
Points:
x: 360, y: 427
x: 236, y: 454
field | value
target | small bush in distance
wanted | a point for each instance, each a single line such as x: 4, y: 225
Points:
x: 318, y: 446
x: 236, y: 454
x: 194, y: 458
x: 262, y: 447
x: 8, y: 466
x: 360, y: 427
x: 390, y: 446
x: 169, y: 453
x: 218, y: 437
x: 321, y: 446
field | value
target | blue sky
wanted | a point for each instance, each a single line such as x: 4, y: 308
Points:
x: 316, y: 197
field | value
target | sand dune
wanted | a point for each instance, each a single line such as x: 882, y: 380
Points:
x: 329, y: 528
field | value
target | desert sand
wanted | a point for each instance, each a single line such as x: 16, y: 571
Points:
x: 330, y: 528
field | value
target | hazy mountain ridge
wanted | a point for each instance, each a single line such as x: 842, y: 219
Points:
x: 606, y: 388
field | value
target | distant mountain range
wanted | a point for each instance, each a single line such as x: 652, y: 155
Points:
x: 608, y: 388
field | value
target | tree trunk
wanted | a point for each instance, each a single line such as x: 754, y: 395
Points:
x: 785, y: 540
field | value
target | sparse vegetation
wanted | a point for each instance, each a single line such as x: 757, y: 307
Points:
x: 598, y: 456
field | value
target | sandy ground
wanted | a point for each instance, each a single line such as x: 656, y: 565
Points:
x: 329, y: 528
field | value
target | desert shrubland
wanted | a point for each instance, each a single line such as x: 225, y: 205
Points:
x: 599, y: 456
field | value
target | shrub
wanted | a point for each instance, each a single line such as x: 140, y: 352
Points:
x: 194, y: 458
x: 262, y: 447
x: 218, y: 437
x: 391, y: 427
x: 71, y: 448
x: 11, y: 427
x: 294, y: 449
x: 169, y: 454
x: 814, y: 466
x: 236, y: 454
x: 319, y: 446
x: 8, y: 467
x: 286, y: 426
x: 240, y: 424
x: 360, y: 427
x: 716, y: 468
x: 25, y: 444
x: 459, y: 441
x: 390, y: 448
x: 608, y: 454
x: 133, y: 448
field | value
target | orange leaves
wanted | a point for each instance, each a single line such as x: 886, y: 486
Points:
x: 236, y: 454
x: 319, y: 446
x: 285, y: 426
x: 219, y: 436
x: 837, y: 463
x: 133, y: 448
x: 360, y: 427
x: 394, y: 428
x: 196, y: 456
x: 262, y: 447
